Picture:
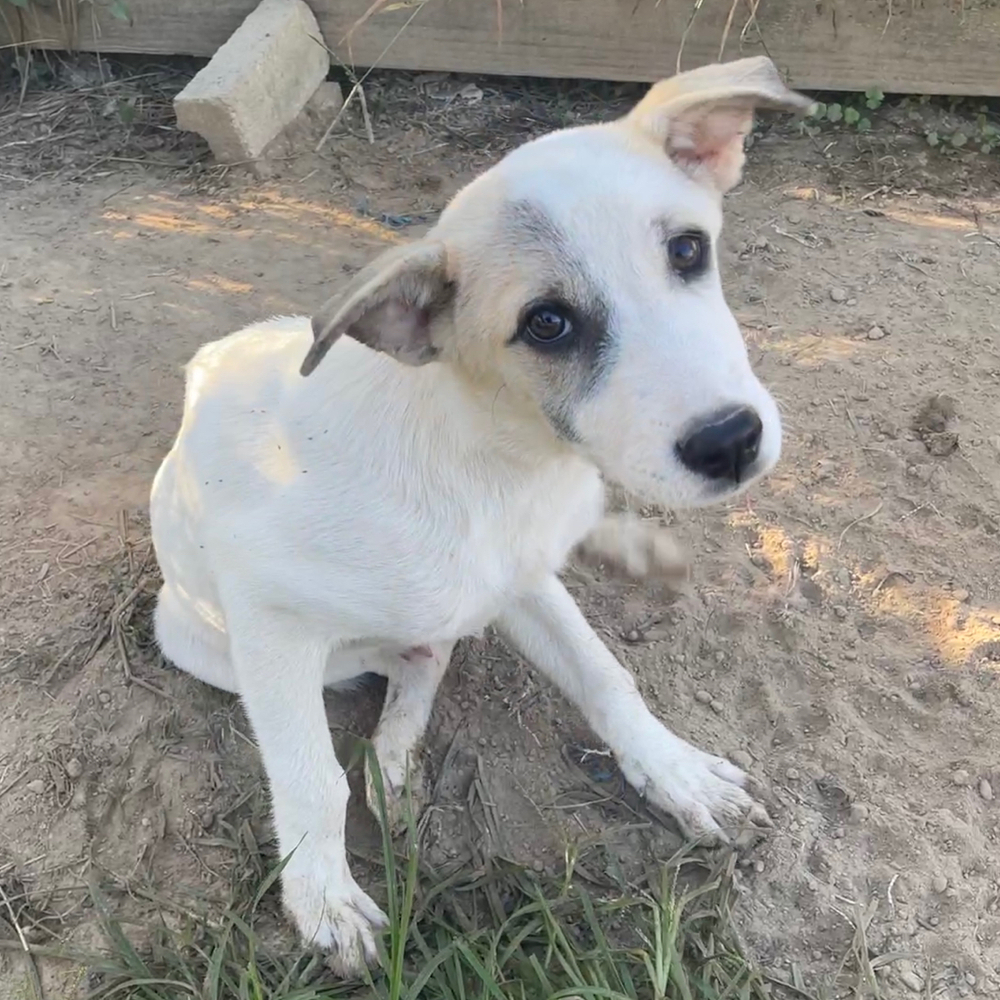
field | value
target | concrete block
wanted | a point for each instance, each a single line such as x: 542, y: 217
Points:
x: 257, y: 82
x: 326, y: 101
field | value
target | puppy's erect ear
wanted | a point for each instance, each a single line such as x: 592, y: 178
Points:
x: 701, y: 117
x: 390, y: 306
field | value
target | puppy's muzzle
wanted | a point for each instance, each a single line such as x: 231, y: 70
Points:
x: 722, y: 446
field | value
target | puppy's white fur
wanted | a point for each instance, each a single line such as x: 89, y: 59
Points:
x: 364, y: 518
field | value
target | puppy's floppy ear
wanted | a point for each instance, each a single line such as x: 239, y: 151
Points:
x: 390, y: 306
x: 701, y: 117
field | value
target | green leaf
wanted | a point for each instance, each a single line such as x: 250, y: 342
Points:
x: 126, y: 112
x: 851, y: 116
x: 818, y: 110
x: 874, y: 97
x: 834, y: 112
x: 23, y: 4
x: 120, y: 12
x: 933, y: 138
x: 959, y: 139
x: 864, y: 124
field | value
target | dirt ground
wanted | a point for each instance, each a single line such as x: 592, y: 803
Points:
x: 841, y: 636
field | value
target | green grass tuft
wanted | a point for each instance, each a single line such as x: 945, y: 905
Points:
x: 492, y: 932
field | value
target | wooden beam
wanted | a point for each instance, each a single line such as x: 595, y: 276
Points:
x: 907, y: 46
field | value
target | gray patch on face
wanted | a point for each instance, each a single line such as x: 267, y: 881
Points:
x: 578, y: 367
x: 561, y: 425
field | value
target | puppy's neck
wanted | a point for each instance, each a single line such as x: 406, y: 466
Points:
x: 487, y: 415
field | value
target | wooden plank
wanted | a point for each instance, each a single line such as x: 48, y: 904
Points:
x: 906, y: 46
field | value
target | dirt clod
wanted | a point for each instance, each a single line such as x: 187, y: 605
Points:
x: 931, y: 425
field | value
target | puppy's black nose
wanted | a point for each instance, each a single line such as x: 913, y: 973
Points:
x: 722, y: 445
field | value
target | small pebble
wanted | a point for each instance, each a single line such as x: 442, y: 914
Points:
x: 741, y: 759
x: 104, y: 697
x: 206, y: 818
x: 960, y: 777
x: 970, y: 978
x: 838, y: 294
x: 939, y: 883
x: 73, y: 768
x: 911, y: 981
x: 717, y: 706
x: 986, y: 790
x: 850, y: 655
x: 840, y: 611
x: 758, y: 866
x: 961, y: 594
x: 36, y: 787
x: 792, y: 774
x: 703, y: 697
x: 538, y: 866
x: 145, y: 821
x: 875, y: 333
x: 859, y: 812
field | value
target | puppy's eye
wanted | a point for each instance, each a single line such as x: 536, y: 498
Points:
x: 687, y: 253
x: 547, y: 323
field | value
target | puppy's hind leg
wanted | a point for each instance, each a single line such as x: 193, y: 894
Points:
x: 191, y: 644
x: 414, y: 677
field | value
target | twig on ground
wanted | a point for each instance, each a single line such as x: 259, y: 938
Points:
x: 36, y: 982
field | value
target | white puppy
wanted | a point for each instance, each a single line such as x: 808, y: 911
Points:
x: 563, y: 322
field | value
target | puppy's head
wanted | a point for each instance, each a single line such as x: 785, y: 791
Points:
x: 580, y: 274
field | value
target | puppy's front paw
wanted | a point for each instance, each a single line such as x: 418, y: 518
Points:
x: 704, y: 793
x: 333, y: 914
x: 638, y: 548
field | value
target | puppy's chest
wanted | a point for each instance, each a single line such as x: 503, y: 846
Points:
x: 503, y: 553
